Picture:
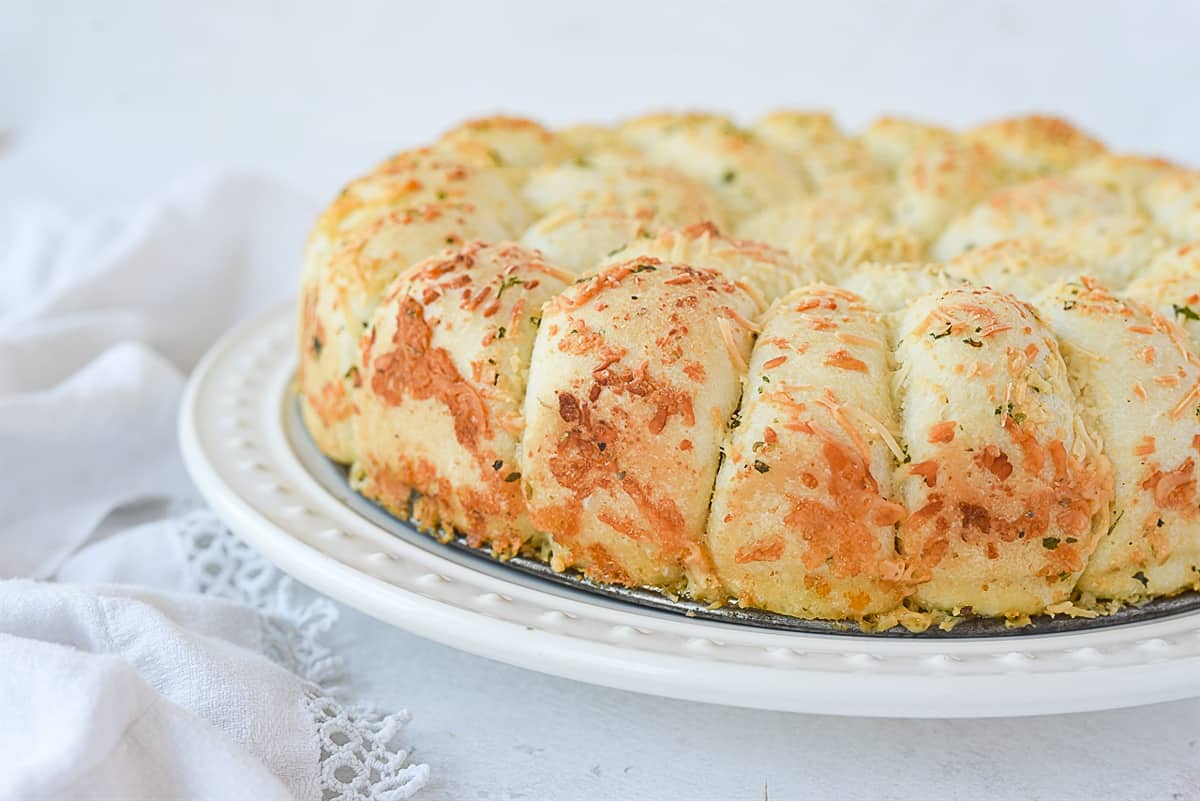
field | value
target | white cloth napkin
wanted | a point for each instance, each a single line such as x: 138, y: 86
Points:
x: 155, y: 655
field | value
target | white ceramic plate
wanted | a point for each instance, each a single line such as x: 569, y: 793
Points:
x: 239, y: 443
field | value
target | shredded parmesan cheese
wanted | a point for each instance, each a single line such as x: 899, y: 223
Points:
x: 877, y: 428
x: 735, y: 354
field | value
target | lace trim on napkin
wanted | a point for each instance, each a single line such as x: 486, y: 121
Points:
x: 361, y: 758
x: 359, y: 755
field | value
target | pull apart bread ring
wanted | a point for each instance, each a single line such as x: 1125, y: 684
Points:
x: 901, y: 376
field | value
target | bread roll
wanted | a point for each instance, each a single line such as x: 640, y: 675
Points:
x: 766, y: 272
x: 1139, y: 385
x: 1171, y: 286
x: 743, y: 171
x: 1128, y: 176
x: 634, y: 373
x: 587, y: 140
x: 1087, y: 220
x: 936, y: 182
x: 1117, y: 248
x: 891, y: 139
x: 834, y: 235
x: 1037, y: 145
x: 1036, y: 208
x: 842, y: 171
x: 1006, y: 489
x: 1023, y: 266
x: 803, y: 513
x: 891, y: 287
x: 505, y: 142
x: 1174, y: 203
x: 798, y: 131
x: 581, y: 241
x: 338, y: 304
x: 627, y: 184
x: 444, y: 368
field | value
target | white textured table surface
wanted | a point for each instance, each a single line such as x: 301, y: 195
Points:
x: 496, y: 732
x: 104, y: 103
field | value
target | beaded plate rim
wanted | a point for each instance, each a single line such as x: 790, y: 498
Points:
x: 245, y: 459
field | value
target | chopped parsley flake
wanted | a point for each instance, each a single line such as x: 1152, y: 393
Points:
x: 512, y: 280
x: 974, y: 343
x: 945, y: 333
x: 511, y: 477
x: 316, y: 346
x: 728, y: 177
x: 1018, y: 417
x: 1050, y: 543
x: 496, y: 465
x: 1140, y: 576
x: 500, y: 332
x: 761, y: 466
x: 1185, y: 312
x: 644, y: 268
x: 1069, y: 304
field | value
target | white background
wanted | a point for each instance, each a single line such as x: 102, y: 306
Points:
x: 109, y: 100
x: 104, y: 103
